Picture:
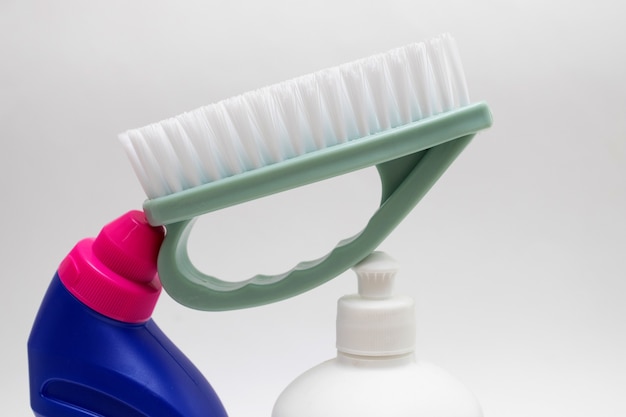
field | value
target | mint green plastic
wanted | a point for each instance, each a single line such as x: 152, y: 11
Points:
x: 409, y: 159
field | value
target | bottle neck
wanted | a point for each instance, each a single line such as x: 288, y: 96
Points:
x: 376, y: 361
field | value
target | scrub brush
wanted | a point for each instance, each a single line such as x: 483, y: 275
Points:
x: 407, y: 111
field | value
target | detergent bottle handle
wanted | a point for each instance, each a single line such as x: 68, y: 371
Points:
x: 404, y: 182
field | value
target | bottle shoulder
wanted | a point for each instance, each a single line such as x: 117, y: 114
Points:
x: 340, y: 387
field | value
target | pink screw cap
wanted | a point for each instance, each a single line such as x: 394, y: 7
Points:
x: 116, y: 273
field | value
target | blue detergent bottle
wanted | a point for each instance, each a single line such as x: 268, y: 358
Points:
x: 94, y: 351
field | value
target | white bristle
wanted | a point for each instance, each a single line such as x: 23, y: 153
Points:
x: 308, y: 113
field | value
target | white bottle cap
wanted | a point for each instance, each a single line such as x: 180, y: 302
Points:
x: 374, y: 322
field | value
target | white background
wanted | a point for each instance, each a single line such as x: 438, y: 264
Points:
x: 516, y: 257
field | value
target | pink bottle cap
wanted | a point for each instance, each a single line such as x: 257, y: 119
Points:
x: 116, y: 273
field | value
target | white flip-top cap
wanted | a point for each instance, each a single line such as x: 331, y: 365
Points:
x: 374, y: 322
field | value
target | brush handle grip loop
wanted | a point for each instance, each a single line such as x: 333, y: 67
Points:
x: 410, y: 159
x: 405, y: 181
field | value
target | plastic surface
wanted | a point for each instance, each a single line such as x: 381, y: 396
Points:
x: 93, y: 349
x: 410, y: 159
x: 376, y: 276
x: 379, y: 381
x: 115, y: 273
x: 83, y: 364
x: 375, y: 322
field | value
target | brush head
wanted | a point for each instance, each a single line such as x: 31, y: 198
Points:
x: 282, y: 121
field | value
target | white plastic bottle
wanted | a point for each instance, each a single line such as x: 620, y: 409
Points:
x: 375, y: 373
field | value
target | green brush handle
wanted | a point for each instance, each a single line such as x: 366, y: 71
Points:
x: 409, y: 159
